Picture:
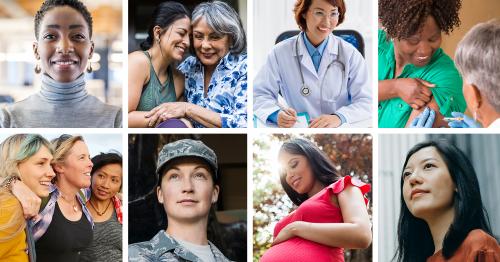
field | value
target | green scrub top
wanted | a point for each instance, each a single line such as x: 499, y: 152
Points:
x: 440, y: 71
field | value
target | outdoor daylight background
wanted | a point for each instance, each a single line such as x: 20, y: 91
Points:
x: 352, y: 155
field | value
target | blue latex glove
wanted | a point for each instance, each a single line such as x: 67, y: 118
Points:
x: 468, y: 122
x: 425, y: 119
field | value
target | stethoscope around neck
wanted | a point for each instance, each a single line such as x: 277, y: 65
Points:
x: 304, y: 89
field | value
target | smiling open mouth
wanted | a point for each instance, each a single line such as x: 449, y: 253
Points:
x: 45, y: 183
x: 180, y: 48
x: 64, y: 62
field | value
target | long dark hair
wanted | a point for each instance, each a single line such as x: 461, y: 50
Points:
x: 414, y: 236
x: 164, y: 16
x: 321, y: 165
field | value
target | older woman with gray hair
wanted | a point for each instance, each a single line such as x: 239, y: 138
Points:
x: 477, y: 58
x: 216, y: 78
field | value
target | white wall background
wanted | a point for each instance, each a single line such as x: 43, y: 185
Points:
x: 482, y: 150
x: 274, y: 17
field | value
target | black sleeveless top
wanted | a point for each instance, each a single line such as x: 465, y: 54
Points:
x: 64, y: 239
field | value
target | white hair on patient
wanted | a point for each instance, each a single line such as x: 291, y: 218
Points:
x: 478, y: 59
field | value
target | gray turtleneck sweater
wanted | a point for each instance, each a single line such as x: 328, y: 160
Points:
x: 61, y: 105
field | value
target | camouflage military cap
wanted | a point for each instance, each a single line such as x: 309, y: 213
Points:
x: 186, y: 147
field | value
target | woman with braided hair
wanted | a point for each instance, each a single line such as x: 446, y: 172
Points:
x: 414, y: 72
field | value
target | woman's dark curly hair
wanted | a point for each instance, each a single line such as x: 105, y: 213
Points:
x: 402, y: 19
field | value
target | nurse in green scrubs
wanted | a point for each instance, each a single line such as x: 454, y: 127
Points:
x: 414, y: 72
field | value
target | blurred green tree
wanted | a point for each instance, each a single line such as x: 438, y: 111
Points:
x: 352, y: 155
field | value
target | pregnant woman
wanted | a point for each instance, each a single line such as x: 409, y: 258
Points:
x: 331, y: 213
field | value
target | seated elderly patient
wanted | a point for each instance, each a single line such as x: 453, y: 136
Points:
x: 477, y: 58
x: 216, y: 79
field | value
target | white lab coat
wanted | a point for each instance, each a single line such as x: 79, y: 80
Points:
x: 349, y: 96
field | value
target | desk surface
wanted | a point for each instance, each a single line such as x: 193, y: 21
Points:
x: 360, y: 124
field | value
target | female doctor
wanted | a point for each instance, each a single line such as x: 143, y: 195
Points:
x: 315, y: 72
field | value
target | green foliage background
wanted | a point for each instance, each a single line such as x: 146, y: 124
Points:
x: 351, y: 153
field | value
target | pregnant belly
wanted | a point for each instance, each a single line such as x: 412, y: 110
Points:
x: 301, y: 250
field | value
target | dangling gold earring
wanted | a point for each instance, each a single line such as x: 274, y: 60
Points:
x: 37, y: 69
x: 89, y: 68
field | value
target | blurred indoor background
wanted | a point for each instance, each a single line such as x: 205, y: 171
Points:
x: 17, y: 62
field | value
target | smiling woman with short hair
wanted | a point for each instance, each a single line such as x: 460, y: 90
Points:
x: 414, y: 72
x: 319, y: 75
x: 63, y: 47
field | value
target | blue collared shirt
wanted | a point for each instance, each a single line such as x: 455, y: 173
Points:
x: 45, y: 218
x: 316, y: 53
x: 227, y: 90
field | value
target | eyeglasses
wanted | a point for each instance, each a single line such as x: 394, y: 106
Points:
x: 322, y: 15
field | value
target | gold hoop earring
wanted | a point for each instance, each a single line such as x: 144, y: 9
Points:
x: 37, y: 69
x: 89, y: 68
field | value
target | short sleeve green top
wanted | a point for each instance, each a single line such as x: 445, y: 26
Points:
x: 440, y: 71
x: 154, y: 93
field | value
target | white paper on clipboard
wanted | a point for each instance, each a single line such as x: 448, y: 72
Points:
x: 302, y: 117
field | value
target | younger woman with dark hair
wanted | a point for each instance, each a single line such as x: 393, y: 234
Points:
x: 105, y: 208
x: 153, y: 78
x: 442, y: 216
x: 332, y: 212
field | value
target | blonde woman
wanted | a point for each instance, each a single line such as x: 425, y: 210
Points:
x: 24, y: 157
x: 65, y: 210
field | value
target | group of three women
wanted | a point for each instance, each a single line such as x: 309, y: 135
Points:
x: 67, y: 207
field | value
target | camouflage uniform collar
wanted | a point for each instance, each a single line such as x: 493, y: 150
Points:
x: 169, y: 244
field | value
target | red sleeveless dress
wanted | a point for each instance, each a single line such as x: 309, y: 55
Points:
x: 317, y: 209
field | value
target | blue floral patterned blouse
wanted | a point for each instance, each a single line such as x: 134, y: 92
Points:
x: 227, y: 91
